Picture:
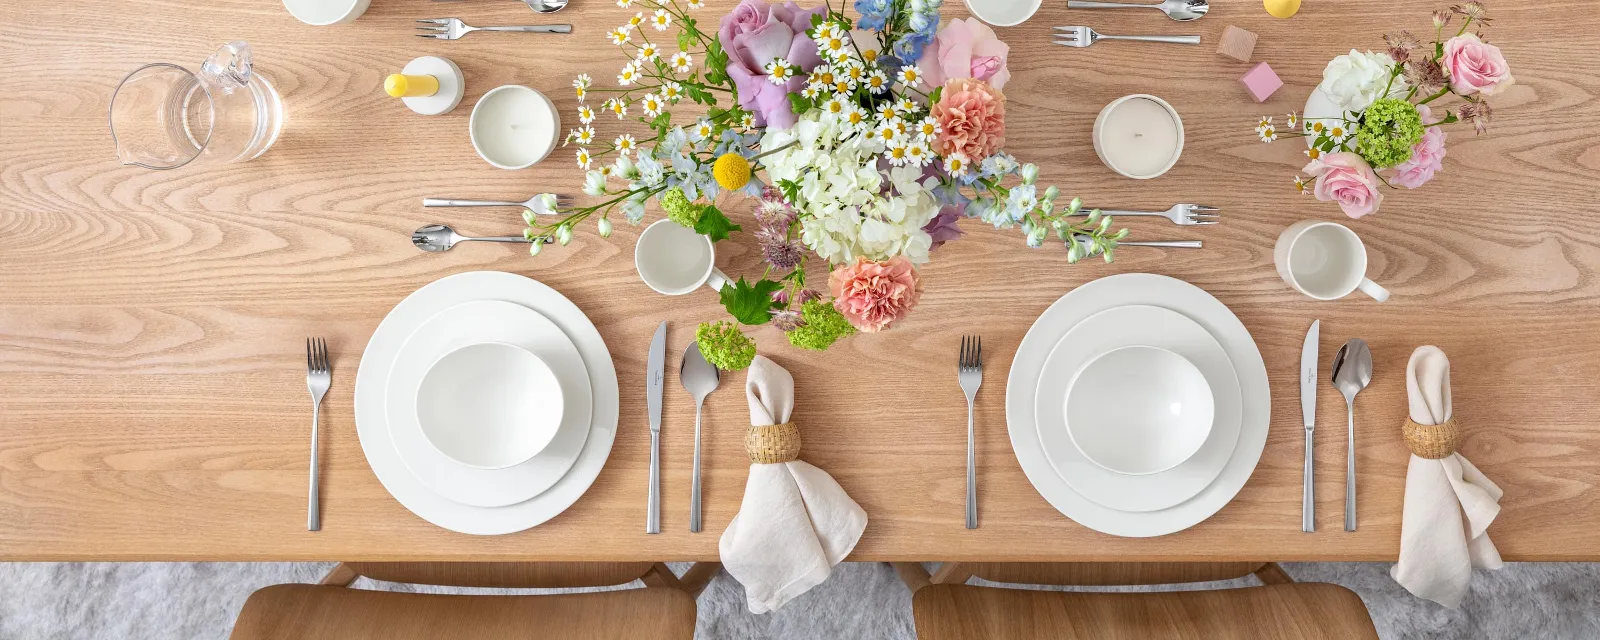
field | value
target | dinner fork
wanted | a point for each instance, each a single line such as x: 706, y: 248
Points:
x: 318, y: 377
x: 561, y: 201
x: 969, y: 372
x: 1084, y: 36
x: 1179, y: 214
x: 454, y: 28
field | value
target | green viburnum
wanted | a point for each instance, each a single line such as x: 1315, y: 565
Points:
x: 725, y: 346
x: 1388, y: 130
x: 823, y: 325
x: 679, y: 209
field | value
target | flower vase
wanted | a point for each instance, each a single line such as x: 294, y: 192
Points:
x: 1318, y: 106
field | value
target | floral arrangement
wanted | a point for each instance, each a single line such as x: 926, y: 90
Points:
x: 863, y: 143
x: 1387, y: 132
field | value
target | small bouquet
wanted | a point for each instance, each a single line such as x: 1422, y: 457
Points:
x: 863, y: 142
x: 1379, y: 114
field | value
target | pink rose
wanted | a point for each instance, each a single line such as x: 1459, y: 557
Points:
x: 756, y: 33
x: 1347, y: 179
x: 875, y: 295
x: 966, y: 49
x: 972, y: 119
x: 1476, y: 66
x: 1427, y: 155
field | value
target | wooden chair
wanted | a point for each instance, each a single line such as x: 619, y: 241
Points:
x: 946, y: 608
x: 665, y: 608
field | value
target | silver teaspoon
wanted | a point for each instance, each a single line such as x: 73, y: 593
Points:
x: 436, y: 238
x: 1352, y: 372
x: 1180, y: 10
x: 699, y: 378
x: 546, y: 6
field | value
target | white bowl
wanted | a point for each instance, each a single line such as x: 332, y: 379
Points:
x: 514, y: 127
x: 1003, y: 13
x: 490, y: 405
x: 1139, y: 410
x: 325, y: 12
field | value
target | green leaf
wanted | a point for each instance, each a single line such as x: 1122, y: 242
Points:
x: 790, y: 189
x: 933, y: 98
x: 715, y: 225
x: 685, y: 41
x: 750, y: 304
x: 816, y: 20
x: 800, y: 103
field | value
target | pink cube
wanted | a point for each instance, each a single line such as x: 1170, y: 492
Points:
x: 1261, y: 82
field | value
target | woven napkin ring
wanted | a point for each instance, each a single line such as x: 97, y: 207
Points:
x: 773, y: 444
x: 1432, y: 442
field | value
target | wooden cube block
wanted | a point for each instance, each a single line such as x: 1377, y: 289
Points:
x: 1237, y: 44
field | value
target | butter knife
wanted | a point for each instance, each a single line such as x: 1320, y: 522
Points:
x: 657, y: 365
x: 1308, y: 411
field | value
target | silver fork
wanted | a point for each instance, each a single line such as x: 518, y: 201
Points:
x: 319, y: 376
x: 454, y: 28
x: 969, y: 372
x: 561, y: 201
x: 1179, y: 214
x: 1084, y: 36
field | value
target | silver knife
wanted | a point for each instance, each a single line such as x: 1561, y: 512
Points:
x: 1308, y: 410
x: 657, y: 365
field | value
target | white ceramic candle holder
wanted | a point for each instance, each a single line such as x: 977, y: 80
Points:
x: 452, y: 85
x: 1133, y: 141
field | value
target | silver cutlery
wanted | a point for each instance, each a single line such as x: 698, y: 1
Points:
x: 319, y: 376
x: 1084, y: 36
x: 561, y: 201
x: 1308, y: 411
x: 699, y: 378
x: 654, y: 385
x: 438, y: 238
x: 1352, y: 372
x: 1180, y: 214
x: 546, y: 6
x: 454, y: 28
x: 1180, y: 10
x: 1167, y: 244
x: 969, y: 372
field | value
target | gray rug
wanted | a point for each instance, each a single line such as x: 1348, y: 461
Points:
x: 200, y: 600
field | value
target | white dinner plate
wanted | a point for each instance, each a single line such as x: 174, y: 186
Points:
x: 373, y: 427
x: 477, y: 322
x: 1137, y: 289
x: 1122, y: 327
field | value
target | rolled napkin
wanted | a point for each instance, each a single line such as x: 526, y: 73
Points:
x: 795, y: 522
x: 1449, y: 503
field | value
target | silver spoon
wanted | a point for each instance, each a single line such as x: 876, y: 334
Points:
x: 1352, y: 372
x: 699, y: 378
x: 436, y: 238
x: 546, y: 6
x: 1180, y: 10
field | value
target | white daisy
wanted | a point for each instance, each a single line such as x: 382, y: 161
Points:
x: 584, y: 135
x: 825, y: 31
x: 1268, y: 133
x: 648, y: 52
x: 584, y: 159
x: 620, y: 36
x: 625, y: 144
x: 905, y: 106
x: 886, y: 111
x: 652, y: 105
x: 957, y: 164
x: 619, y: 107
x: 748, y: 121
x: 927, y: 129
x: 855, y: 116
x: 661, y: 20
x: 697, y: 4
x: 682, y: 62
x: 703, y: 130
x: 878, y: 82
x: 582, y: 81
x: 585, y: 114
x: 911, y: 76
x: 887, y: 132
x: 624, y: 3
x: 811, y: 92
x: 833, y: 48
x: 834, y: 107
x: 897, y: 154
x: 779, y: 71
x: 635, y: 21
x: 583, y: 92
x: 629, y: 74
x: 917, y: 154
x: 844, y: 86
x: 672, y: 92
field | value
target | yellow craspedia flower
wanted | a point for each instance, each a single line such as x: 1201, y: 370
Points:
x: 732, y: 171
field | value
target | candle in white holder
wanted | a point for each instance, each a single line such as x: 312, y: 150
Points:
x: 514, y: 126
x: 1139, y: 136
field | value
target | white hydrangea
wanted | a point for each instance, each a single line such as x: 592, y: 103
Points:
x: 1355, y: 80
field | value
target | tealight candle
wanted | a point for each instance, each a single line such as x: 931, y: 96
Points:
x: 1139, y: 136
x: 514, y: 126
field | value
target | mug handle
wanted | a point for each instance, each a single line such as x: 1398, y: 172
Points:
x: 1373, y: 289
x: 719, y: 280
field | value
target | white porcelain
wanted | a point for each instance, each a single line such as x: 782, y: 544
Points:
x: 1324, y: 260
x: 1116, y: 291
x: 471, y: 323
x: 379, y: 359
x: 674, y: 260
x: 514, y: 127
x: 1139, y: 136
x: 1003, y: 13
x: 326, y: 12
x: 1118, y: 327
x: 489, y: 405
x: 1139, y: 410
x: 452, y: 85
x: 1319, y: 107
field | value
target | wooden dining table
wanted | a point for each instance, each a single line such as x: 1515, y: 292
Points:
x: 152, y: 370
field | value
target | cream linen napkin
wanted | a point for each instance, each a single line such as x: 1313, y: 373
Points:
x: 795, y: 523
x: 1449, y: 503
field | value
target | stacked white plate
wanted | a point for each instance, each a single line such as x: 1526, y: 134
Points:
x: 427, y: 425
x: 1138, y: 405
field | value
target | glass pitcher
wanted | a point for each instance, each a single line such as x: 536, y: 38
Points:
x: 163, y: 116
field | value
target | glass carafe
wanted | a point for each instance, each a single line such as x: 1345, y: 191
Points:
x: 163, y: 116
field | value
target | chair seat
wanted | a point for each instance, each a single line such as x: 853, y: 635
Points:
x: 1298, y: 610
x: 311, y: 611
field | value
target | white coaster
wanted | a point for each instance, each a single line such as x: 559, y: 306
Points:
x: 452, y: 85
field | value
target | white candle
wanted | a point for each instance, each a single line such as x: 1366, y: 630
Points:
x: 1139, y: 136
x: 514, y: 126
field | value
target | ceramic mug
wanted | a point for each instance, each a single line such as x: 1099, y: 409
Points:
x: 1324, y: 260
x: 674, y: 260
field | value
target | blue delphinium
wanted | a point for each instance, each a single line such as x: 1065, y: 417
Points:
x: 874, y: 13
x: 922, y: 18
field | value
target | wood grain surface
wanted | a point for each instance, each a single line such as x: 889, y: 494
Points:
x: 152, y: 396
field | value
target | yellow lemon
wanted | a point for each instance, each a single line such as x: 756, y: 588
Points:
x: 732, y: 171
x: 1282, y: 8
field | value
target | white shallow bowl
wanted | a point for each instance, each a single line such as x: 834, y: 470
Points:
x: 1003, y: 13
x: 1139, y: 410
x: 325, y: 12
x: 490, y: 405
x: 513, y: 127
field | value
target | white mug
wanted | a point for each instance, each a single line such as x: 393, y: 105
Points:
x: 1324, y: 260
x: 674, y: 260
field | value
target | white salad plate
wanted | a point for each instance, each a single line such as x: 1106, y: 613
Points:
x: 1022, y: 391
x: 489, y: 405
x: 1139, y: 410
x: 379, y: 359
x: 478, y: 322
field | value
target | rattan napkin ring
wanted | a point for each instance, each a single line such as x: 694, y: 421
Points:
x: 1432, y: 442
x: 773, y: 444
